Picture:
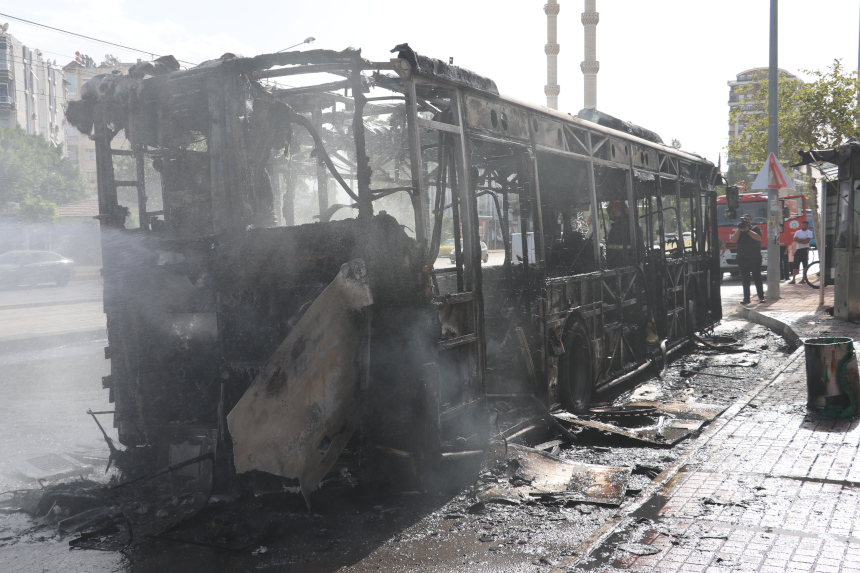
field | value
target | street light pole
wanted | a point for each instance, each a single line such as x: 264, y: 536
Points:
x: 308, y: 40
x: 773, y: 258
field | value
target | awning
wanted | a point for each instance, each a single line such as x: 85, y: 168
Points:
x: 828, y: 160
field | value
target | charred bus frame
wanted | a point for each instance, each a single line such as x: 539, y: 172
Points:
x: 200, y: 293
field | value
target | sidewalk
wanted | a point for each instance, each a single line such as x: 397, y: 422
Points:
x: 769, y: 487
x: 798, y: 308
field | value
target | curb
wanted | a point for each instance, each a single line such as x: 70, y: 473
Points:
x: 590, y: 545
x: 779, y: 327
x: 87, y: 275
x: 45, y: 342
x: 53, y: 303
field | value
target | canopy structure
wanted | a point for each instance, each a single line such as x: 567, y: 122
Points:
x: 827, y: 160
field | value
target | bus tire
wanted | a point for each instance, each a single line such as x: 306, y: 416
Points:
x: 575, y: 370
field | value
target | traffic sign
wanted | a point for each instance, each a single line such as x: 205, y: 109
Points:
x: 772, y: 176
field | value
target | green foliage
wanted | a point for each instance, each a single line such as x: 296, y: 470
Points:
x: 738, y: 172
x: 31, y: 167
x: 676, y: 143
x: 819, y: 114
x: 38, y: 210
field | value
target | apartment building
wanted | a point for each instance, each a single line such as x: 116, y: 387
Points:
x: 742, y: 93
x: 32, y: 95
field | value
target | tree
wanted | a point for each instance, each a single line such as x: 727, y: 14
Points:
x: 738, y: 172
x: 819, y: 114
x: 33, y: 168
x: 38, y: 210
x: 676, y: 144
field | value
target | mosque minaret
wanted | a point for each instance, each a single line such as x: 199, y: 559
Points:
x: 551, y: 89
x: 590, y: 66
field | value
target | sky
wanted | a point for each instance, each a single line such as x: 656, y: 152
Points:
x: 663, y: 64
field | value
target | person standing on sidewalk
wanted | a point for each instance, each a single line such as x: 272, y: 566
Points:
x: 748, y: 239
x: 801, y: 255
x: 784, y: 264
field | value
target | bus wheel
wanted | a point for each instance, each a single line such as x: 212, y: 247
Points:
x: 575, y: 370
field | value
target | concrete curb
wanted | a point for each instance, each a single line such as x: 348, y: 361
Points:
x: 776, y: 325
x: 587, y: 547
x: 52, y: 303
x: 88, y: 274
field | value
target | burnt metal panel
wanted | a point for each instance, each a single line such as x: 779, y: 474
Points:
x: 496, y: 117
x: 300, y: 411
x: 645, y: 158
x: 548, y: 132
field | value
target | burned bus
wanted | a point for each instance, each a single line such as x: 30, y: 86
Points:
x: 270, y: 237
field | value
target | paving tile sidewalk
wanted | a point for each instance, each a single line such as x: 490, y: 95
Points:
x: 799, y: 308
x: 773, y: 487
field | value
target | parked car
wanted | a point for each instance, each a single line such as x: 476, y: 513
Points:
x: 34, y: 267
x: 485, y: 253
x: 446, y: 247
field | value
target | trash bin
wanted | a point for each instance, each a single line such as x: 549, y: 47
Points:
x: 832, y: 379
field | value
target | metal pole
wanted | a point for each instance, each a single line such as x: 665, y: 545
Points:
x: 773, y: 259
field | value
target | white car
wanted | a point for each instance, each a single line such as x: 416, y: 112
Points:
x: 485, y: 253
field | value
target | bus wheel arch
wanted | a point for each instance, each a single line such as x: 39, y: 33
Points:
x: 576, y: 367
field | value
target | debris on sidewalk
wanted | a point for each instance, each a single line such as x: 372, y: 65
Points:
x: 667, y: 424
x: 532, y: 474
x: 686, y: 410
x: 638, y: 548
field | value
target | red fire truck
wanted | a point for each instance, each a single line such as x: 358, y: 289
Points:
x: 755, y: 204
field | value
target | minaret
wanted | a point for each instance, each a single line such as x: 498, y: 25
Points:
x: 551, y: 89
x: 590, y: 66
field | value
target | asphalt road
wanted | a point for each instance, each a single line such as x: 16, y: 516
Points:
x: 43, y: 310
x: 52, y: 343
x: 52, y: 360
x: 77, y: 290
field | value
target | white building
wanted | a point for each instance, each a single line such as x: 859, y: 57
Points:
x: 742, y: 92
x: 32, y: 95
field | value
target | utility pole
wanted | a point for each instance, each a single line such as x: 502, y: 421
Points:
x: 773, y: 259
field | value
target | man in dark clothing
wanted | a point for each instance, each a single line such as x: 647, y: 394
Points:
x: 619, y: 251
x: 784, y: 264
x: 748, y: 239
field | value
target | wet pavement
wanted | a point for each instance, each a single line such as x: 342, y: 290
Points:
x: 764, y: 479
